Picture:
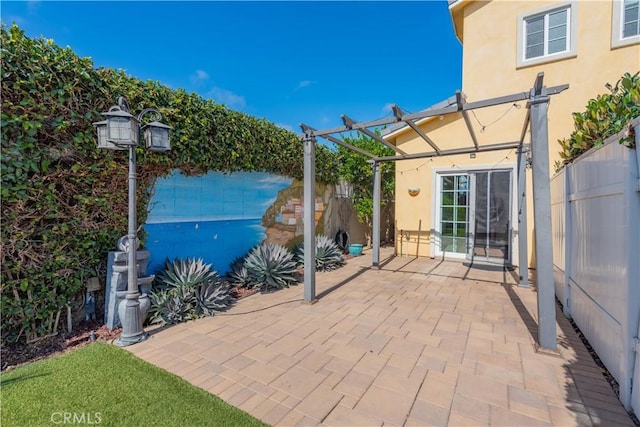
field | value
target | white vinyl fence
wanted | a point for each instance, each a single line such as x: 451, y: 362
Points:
x: 595, y: 208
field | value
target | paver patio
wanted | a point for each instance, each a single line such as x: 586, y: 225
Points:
x: 418, y: 342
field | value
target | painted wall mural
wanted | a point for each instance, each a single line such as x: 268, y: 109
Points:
x: 219, y: 217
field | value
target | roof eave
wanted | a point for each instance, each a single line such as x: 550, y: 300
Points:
x: 454, y: 7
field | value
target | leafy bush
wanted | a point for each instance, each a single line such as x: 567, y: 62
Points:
x: 64, y: 202
x: 604, y: 116
x: 328, y: 254
x: 356, y: 169
x: 271, y: 267
x: 188, y: 289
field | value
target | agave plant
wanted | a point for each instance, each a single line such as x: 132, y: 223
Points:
x: 188, y: 289
x: 212, y: 298
x: 271, y: 266
x: 185, y: 272
x: 328, y: 254
x: 239, y: 274
x: 173, y: 306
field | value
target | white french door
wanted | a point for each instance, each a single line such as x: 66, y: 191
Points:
x: 474, y: 215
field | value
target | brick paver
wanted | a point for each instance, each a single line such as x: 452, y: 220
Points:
x: 418, y: 342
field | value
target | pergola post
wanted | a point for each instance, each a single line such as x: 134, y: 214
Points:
x: 375, y: 235
x: 538, y: 105
x: 523, y: 255
x: 309, y: 200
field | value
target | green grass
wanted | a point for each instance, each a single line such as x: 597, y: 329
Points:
x: 102, y: 384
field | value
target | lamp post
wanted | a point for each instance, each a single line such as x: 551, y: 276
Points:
x: 122, y: 131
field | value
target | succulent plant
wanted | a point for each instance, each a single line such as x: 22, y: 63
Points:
x: 239, y: 275
x: 328, y: 254
x: 188, y: 289
x: 212, y: 298
x: 271, y: 266
x: 172, y: 306
x: 185, y: 272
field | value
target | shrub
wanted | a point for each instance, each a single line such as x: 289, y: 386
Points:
x: 328, y: 254
x: 271, y: 266
x: 604, y: 116
x: 188, y: 289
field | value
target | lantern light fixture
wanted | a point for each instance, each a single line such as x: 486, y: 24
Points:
x: 156, y: 136
x: 122, y: 131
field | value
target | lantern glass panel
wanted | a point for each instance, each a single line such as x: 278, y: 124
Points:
x: 103, y: 142
x: 157, y: 138
x: 122, y: 130
x: 101, y: 129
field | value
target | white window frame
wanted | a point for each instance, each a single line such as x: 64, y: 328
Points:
x: 572, y: 34
x: 617, y: 22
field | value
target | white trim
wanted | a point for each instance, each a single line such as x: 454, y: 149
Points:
x: 616, y: 27
x: 572, y: 35
x: 437, y: 204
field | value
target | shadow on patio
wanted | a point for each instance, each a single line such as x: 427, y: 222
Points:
x: 416, y: 342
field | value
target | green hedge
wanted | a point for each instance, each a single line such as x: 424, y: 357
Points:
x: 64, y: 202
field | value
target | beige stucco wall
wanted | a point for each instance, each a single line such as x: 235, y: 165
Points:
x: 489, y: 34
x: 489, y: 59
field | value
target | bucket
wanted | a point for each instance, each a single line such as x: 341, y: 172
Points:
x: 355, y: 249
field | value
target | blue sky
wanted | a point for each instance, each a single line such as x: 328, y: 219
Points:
x: 289, y: 62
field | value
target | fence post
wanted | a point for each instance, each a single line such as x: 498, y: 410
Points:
x: 568, y: 235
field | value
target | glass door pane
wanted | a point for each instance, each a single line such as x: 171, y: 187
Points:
x: 454, y: 191
x: 499, y: 218
x: 492, y: 215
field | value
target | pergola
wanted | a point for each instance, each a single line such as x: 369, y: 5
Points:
x: 536, y: 119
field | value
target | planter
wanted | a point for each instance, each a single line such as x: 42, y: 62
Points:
x: 355, y: 249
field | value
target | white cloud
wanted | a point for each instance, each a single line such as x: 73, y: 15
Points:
x: 33, y: 6
x: 386, y: 109
x: 224, y: 96
x: 285, y: 126
x: 199, y: 76
x: 17, y: 19
x: 305, y: 83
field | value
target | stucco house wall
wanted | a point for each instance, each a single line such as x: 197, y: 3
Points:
x: 489, y: 32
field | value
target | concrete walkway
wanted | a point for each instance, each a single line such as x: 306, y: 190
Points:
x: 419, y: 342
